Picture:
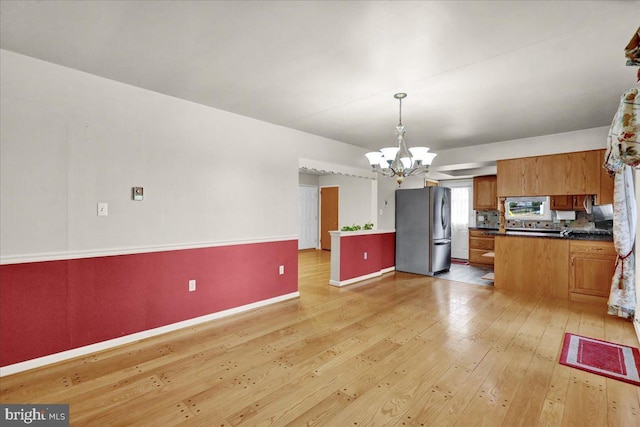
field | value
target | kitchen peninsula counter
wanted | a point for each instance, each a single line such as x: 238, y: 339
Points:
x: 576, y: 267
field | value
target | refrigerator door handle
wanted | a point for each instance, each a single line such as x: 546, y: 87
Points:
x: 442, y: 242
x: 443, y: 212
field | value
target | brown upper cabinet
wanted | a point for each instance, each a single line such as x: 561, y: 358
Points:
x: 562, y: 203
x: 485, y: 196
x: 569, y: 203
x: 605, y: 196
x: 558, y: 174
x: 583, y: 172
x: 510, y: 177
x: 551, y: 174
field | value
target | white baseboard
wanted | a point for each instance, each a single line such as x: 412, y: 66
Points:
x: 104, y: 345
x: 361, y: 278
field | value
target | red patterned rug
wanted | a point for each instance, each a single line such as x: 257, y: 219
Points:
x: 616, y: 361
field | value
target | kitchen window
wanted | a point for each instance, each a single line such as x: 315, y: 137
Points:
x: 528, y: 208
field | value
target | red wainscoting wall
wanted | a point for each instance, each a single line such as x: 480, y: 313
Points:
x: 380, y: 249
x: 53, y: 306
x: 387, y: 250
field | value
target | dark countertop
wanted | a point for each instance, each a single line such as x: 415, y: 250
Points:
x: 594, y: 235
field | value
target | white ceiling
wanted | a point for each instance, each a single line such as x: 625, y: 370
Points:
x: 475, y: 72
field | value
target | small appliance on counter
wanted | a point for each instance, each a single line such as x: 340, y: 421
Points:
x: 603, y: 216
x: 566, y: 215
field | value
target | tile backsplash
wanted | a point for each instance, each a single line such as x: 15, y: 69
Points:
x: 487, y: 218
x: 583, y: 221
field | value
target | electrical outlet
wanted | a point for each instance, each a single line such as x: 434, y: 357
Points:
x: 365, y: 255
x: 281, y: 270
x: 192, y: 285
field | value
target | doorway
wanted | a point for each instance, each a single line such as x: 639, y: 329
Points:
x: 307, y: 217
x: 461, y: 216
x: 328, y: 215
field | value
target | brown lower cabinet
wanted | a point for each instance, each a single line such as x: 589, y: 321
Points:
x: 479, y: 246
x: 536, y: 266
x: 592, y: 267
x: 578, y: 270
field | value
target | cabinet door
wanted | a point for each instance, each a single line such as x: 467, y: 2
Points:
x: 484, y: 192
x: 530, y: 176
x: 562, y: 203
x: 552, y: 175
x: 510, y: 177
x: 583, y: 174
x: 591, y: 276
x: 605, y: 195
x: 579, y: 202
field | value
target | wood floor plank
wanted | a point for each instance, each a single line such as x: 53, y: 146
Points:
x: 401, y: 349
x: 585, y: 405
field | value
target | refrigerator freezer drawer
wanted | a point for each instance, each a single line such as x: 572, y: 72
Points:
x: 440, y: 257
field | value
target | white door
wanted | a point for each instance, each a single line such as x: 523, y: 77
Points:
x: 307, y: 217
x: 461, y: 216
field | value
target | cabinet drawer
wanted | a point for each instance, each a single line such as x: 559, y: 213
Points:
x: 481, y: 243
x: 473, y: 232
x: 589, y: 247
x: 476, y: 257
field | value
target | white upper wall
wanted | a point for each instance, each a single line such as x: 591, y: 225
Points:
x: 308, y: 179
x: 70, y: 140
x: 582, y: 140
x: 356, y: 196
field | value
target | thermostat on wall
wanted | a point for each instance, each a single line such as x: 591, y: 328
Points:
x: 138, y: 193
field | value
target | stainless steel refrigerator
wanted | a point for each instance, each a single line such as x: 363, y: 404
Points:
x: 423, y: 230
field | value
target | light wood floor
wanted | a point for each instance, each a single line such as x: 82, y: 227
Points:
x: 397, y: 350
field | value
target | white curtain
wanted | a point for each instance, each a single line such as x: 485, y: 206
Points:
x: 622, y: 299
x: 461, y: 216
x: 623, y: 143
x: 460, y: 207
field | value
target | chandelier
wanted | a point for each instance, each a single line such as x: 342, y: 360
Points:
x: 398, y: 161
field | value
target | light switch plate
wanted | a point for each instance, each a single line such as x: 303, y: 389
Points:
x: 103, y: 209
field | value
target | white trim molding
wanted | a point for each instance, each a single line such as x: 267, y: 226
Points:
x: 95, y: 253
x: 318, y: 167
x: 353, y: 280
